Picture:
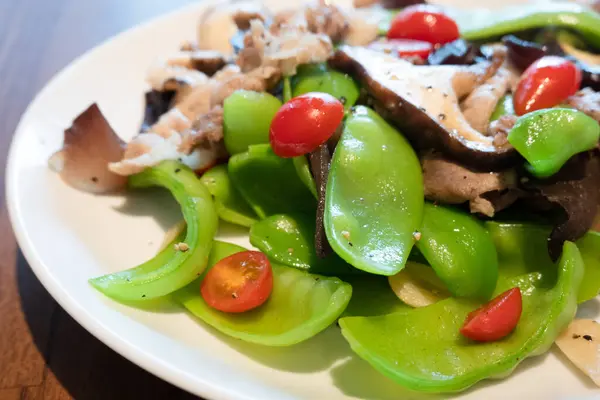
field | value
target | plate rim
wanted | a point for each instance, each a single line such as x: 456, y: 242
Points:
x: 156, y: 366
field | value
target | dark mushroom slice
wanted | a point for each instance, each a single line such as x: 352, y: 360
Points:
x: 571, y: 196
x: 423, y: 103
x: 90, y: 144
x: 157, y: 103
x: 395, y: 4
x: 458, y: 52
x: 320, y: 160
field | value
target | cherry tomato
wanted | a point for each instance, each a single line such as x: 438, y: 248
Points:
x: 404, y: 47
x: 496, y: 319
x: 423, y: 22
x: 304, y: 123
x: 546, y: 83
x: 238, y: 283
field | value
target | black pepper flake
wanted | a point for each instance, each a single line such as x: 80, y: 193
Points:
x: 464, y: 177
x: 422, y: 109
x: 588, y: 338
x: 576, y: 336
x: 429, y: 87
x: 350, y: 244
x: 317, y: 279
x: 128, y: 280
x: 178, y: 170
x: 234, y: 295
x: 445, y: 94
x: 442, y: 116
x: 94, y: 179
x: 143, y: 295
x: 343, y: 100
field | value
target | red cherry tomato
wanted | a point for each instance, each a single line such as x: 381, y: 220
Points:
x: 404, y: 47
x: 304, y: 123
x: 238, y: 283
x: 423, y: 22
x: 496, y: 319
x: 546, y: 83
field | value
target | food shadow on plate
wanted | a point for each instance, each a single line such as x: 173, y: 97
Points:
x: 355, y: 377
x: 154, y: 202
x: 313, y: 355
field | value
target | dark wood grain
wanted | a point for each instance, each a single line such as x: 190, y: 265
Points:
x: 44, y: 354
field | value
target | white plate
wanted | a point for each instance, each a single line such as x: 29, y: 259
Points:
x: 68, y: 237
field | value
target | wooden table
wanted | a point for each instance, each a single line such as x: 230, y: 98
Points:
x: 44, y: 353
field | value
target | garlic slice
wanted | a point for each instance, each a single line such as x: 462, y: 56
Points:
x: 417, y: 285
x: 580, y: 342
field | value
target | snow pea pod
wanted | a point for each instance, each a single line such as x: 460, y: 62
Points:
x: 270, y: 184
x: 479, y: 24
x: 318, y: 78
x: 432, y: 356
x: 169, y: 270
x: 303, y: 171
x: 247, y: 117
x: 460, y: 250
x: 300, y: 306
x: 288, y: 239
x: 229, y: 203
x: 374, y: 199
x: 548, y: 138
x: 509, y: 239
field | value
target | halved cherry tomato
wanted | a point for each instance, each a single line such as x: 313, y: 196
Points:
x: 496, y: 319
x: 423, y: 22
x: 304, y: 123
x: 238, y: 283
x: 403, y: 47
x: 546, y: 83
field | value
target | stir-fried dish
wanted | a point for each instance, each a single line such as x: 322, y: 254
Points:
x: 426, y: 177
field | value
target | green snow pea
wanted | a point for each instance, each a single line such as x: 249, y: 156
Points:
x: 505, y: 107
x: 303, y: 171
x: 300, y: 306
x: 509, y: 239
x: 423, y: 350
x: 321, y: 79
x: 460, y: 251
x: 548, y: 138
x: 229, y: 203
x: 270, y: 184
x: 374, y: 199
x: 247, y: 117
x: 480, y: 24
x: 169, y: 270
x: 290, y: 240
x: 371, y: 296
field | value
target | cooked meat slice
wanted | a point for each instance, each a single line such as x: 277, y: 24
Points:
x: 207, y: 128
x: 172, y: 77
x: 89, y: 145
x: 364, y: 25
x: 587, y: 101
x: 500, y: 128
x: 183, y: 132
x: 217, y: 25
x: 287, y: 49
x: 243, y: 16
x: 423, y: 102
x: 328, y: 19
x: 481, y: 103
x: 448, y: 182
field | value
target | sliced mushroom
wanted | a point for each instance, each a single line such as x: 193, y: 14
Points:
x: 89, y: 145
x: 320, y: 160
x: 580, y: 342
x: 418, y: 286
x: 157, y: 103
x: 479, y: 106
x: 423, y: 102
x: 571, y: 196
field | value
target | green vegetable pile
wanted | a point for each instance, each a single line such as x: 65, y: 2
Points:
x: 375, y: 220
